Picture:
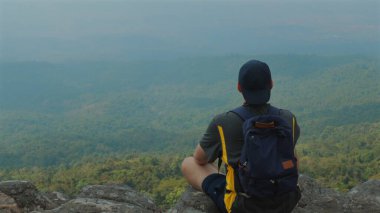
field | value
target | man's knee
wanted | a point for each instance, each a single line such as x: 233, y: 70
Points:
x: 186, y: 164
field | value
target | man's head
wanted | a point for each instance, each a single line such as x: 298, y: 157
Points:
x: 255, y: 82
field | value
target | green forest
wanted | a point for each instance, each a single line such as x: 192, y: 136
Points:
x: 67, y: 125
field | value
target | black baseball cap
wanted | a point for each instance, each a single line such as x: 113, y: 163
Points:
x: 255, y: 81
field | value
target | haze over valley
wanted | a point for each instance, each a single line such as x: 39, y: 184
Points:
x: 121, y: 91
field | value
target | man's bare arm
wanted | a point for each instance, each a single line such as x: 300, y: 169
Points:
x: 200, y: 156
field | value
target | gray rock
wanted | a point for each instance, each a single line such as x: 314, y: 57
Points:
x: 370, y: 188
x: 8, y: 204
x: 26, y: 195
x: 107, y: 198
x: 315, y: 199
x: 364, y: 197
x: 57, y: 198
x: 22, y: 196
x: 193, y: 201
x: 119, y: 193
x: 94, y: 205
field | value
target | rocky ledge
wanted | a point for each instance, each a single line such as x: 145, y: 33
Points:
x: 23, y: 196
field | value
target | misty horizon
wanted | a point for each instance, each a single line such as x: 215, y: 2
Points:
x: 131, y: 30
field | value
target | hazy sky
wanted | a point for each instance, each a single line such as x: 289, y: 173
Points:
x: 128, y: 30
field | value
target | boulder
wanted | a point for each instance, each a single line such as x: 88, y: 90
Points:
x: 119, y: 193
x: 25, y: 195
x: 95, y: 205
x: 108, y: 198
x: 315, y: 199
x: 8, y: 204
x: 22, y: 196
x: 57, y: 198
x: 364, y: 197
x: 193, y: 201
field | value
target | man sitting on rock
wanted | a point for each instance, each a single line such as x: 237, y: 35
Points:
x: 256, y: 143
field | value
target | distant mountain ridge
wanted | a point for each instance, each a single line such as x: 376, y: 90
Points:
x: 74, y: 124
x: 87, y: 108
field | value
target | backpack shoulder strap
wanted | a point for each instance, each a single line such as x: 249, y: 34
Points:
x: 243, y: 113
x: 289, y: 117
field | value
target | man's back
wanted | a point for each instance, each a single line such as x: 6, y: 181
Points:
x: 230, y: 143
x: 224, y: 138
x: 232, y: 126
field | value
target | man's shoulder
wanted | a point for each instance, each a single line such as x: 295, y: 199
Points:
x: 230, y: 116
x: 227, y: 116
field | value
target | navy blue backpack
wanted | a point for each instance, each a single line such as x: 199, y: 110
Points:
x: 267, y: 166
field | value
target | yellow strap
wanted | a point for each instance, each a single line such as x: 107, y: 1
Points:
x: 224, y: 150
x: 230, y: 197
x: 294, y: 140
x: 293, y: 130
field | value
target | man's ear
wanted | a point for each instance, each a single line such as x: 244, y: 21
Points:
x: 271, y: 84
x: 239, y: 87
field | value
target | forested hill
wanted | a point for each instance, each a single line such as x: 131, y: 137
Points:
x: 72, y: 124
x: 59, y: 113
x: 54, y: 113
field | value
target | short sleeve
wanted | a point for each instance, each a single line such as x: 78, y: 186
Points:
x: 210, y: 142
